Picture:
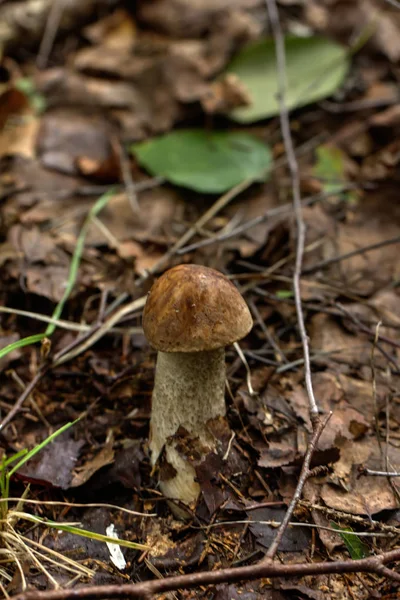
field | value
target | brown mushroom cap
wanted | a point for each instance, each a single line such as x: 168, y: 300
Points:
x: 193, y: 308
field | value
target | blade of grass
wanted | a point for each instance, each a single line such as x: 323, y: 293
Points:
x: 78, y: 531
x: 39, y: 447
x: 8, y: 461
x: 76, y: 257
x: 73, y: 272
x: 31, y: 339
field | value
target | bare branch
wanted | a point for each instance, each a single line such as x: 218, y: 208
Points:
x: 372, y: 564
x: 294, y: 172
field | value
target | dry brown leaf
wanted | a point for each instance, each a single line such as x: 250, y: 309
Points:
x: 336, y: 344
x: 48, y: 281
x: 83, y: 473
x: 54, y: 464
x: 225, y: 95
x: 363, y: 494
x: 116, y: 31
x: 191, y: 18
x: 159, y: 209
x: 18, y: 125
x: 67, y: 135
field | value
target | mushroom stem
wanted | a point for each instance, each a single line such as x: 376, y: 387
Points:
x: 188, y: 391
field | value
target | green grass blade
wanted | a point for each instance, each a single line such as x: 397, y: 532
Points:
x: 39, y: 447
x: 9, y: 461
x: 73, y: 273
x: 76, y: 257
x: 31, y: 339
x: 82, y: 532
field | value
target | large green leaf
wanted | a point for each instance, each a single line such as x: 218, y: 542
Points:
x: 209, y: 162
x: 315, y: 68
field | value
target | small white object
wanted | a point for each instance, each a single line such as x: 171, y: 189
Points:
x: 116, y: 556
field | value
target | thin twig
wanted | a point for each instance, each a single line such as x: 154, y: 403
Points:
x: 372, y: 564
x: 365, y: 329
x: 269, y: 214
x: 25, y: 394
x: 295, y: 524
x: 61, y: 324
x: 50, y: 32
x: 380, y: 473
x: 370, y: 333
x: 268, y: 336
x: 127, y: 177
x: 246, y: 366
x: 394, y: 3
x: 304, y: 474
x: 294, y: 171
x: 318, y: 425
x: 187, y: 236
x: 97, y: 332
x: 342, y: 257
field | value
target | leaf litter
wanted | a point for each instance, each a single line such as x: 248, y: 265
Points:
x: 118, y: 78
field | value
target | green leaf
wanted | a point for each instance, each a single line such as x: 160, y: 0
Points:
x: 27, y: 86
x: 315, y: 68
x: 208, y: 162
x: 284, y: 294
x: 355, y: 546
x: 330, y: 168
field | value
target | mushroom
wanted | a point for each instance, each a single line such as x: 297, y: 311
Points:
x: 191, y: 314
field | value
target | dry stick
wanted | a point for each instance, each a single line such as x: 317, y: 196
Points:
x: 269, y: 214
x: 25, y: 394
x: 304, y: 475
x: 365, y: 329
x: 50, y: 32
x: 341, y: 107
x: 127, y: 177
x: 268, y: 336
x: 209, y: 214
x: 394, y: 3
x: 294, y: 172
x: 69, y: 325
x: 380, y: 473
x: 372, y: 564
x: 370, y: 333
x: 365, y: 249
x: 98, y: 332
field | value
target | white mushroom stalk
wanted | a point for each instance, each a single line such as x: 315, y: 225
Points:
x: 191, y: 314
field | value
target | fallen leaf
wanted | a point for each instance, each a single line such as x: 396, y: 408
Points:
x: 18, y: 125
x: 210, y: 162
x: 116, y: 31
x: 365, y: 495
x: 66, y: 135
x: 315, y: 68
x: 294, y: 540
x: 54, y: 464
x: 83, y: 473
x: 278, y: 454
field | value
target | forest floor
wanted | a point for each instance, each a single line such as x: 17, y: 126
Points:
x: 80, y: 83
